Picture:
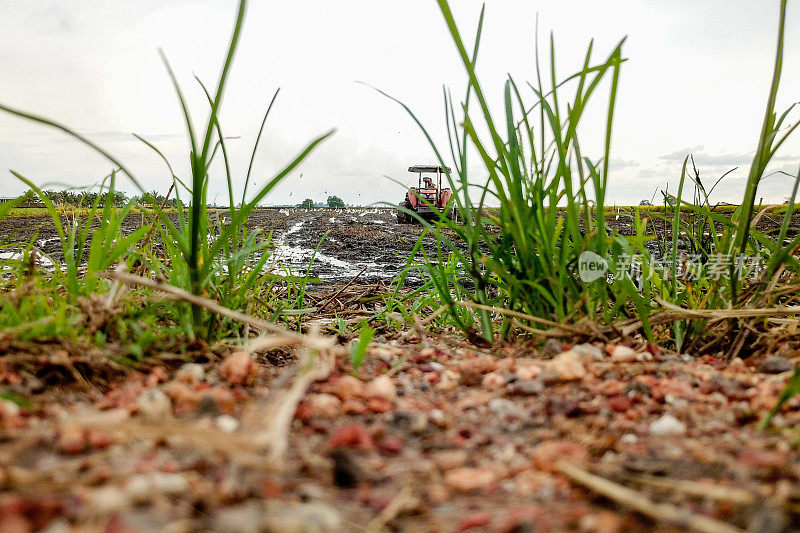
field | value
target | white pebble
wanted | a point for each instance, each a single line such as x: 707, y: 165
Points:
x: 168, y: 483
x: 190, y: 373
x: 667, y: 425
x: 154, y: 405
x: 142, y: 488
x: 623, y: 354
x: 568, y: 366
x: 227, y: 423
x: 589, y: 351
x: 108, y: 500
x: 138, y: 488
x: 8, y: 408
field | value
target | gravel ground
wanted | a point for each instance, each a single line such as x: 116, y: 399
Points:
x: 420, y: 439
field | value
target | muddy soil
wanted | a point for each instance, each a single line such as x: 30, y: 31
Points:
x: 350, y: 240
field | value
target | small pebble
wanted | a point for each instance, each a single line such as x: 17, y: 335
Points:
x: 144, y: 487
x: 391, y: 445
x: 326, y: 405
x: 289, y: 517
x: 107, y: 500
x: 438, y: 418
x: 589, y: 351
x: 466, y: 479
x: 667, y: 425
x: 449, y: 380
x: 546, y: 454
x: 620, y: 404
x: 138, y: 488
x: 503, y: 407
x: 419, y: 423
x: 71, y: 438
x: 379, y: 405
x: 529, y: 372
x: 239, y: 369
x: 167, y: 483
x: 309, y: 491
x: 382, y: 387
x: 493, y: 380
x: 348, y: 387
x: 154, y: 405
x: 352, y: 436
x: 450, y: 459
x: 552, y: 347
x: 226, y: 423
x: 622, y: 354
x: 526, y: 387
x: 190, y: 373
x: 774, y: 364
x: 568, y: 366
x: 354, y: 406
x: 8, y: 409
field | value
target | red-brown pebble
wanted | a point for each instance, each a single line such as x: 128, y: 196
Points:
x: 352, y: 436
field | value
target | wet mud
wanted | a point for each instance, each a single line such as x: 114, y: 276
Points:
x: 341, y: 242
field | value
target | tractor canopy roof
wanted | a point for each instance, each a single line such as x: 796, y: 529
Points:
x: 428, y: 168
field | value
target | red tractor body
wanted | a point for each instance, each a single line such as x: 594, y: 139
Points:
x: 428, y: 196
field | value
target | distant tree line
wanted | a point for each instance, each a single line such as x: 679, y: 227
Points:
x: 333, y: 201
x: 153, y: 197
x: 76, y: 198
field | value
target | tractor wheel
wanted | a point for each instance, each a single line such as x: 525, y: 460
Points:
x: 402, y: 218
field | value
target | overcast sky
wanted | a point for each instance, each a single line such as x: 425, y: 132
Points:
x: 696, y: 82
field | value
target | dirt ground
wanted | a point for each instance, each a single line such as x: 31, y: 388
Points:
x: 425, y: 437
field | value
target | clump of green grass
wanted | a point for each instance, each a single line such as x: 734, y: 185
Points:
x: 89, y: 250
x: 196, y: 250
x: 33, y: 310
x: 524, y: 256
x: 734, y: 239
x: 359, y: 349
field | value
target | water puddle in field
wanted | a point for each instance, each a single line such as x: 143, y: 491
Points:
x: 42, y: 243
x: 340, y: 261
x: 296, y: 259
x: 15, y: 257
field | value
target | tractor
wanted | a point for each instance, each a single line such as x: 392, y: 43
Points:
x: 427, y: 195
